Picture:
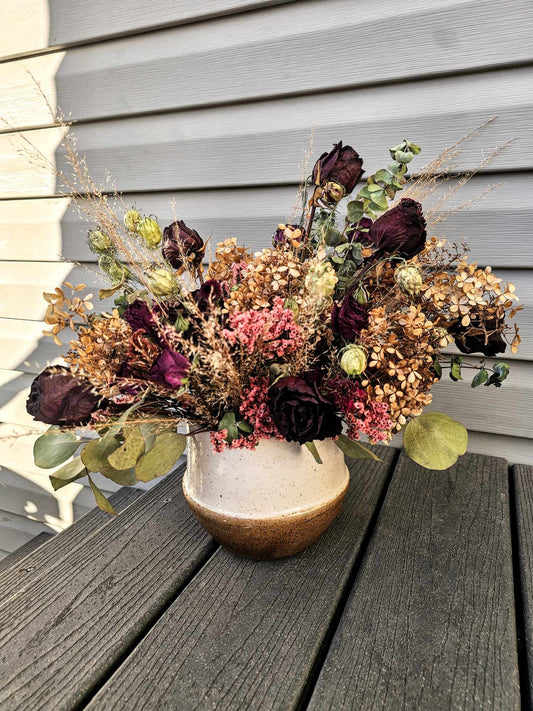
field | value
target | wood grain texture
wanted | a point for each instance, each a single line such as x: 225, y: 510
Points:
x: 430, y: 620
x: 248, y: 144
x: 268, y: 54
x: 522, y: 477
x: 245, y: 634
x: 34, y: 25
x: 14, y: 578
x: 497, y: 227
x: 117, y: 579
x: 24, y: 551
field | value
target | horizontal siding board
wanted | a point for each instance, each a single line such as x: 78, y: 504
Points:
x: 498, y: 227
x: 263, y: 144
x: 34, y: 25
x: 270, y: 54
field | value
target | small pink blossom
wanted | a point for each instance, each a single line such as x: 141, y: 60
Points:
x: 271, y: 331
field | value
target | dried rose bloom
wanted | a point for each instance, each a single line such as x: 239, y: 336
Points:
x: 170, y: 369
x: 337, y: 172
x: 401, y: 230
x: 182, y: 243
x: 208, y: 295
x: 300, y: 412
x: 59, y: 398
x: 349, y: 318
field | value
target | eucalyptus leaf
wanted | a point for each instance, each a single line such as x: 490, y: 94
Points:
x: 354, y: 449
x: 128, y: 453
x: 435, y: 440
x: 69, y: 472
x: 166, y: 451
x: 480, y: 378
x: 102, y: 501
x: 332, y: 237
x: 437, y: 368
x: 382, y: 176
x: 149, y: 431
x: 95, y: 453
x: 245, y: 426
x: 311, y: 446
x: 107, y: 293
x: 455, y: 368
x: 54, y: 447
x: 355, y: 210
x: 124, y: 477
x: 229, y: 423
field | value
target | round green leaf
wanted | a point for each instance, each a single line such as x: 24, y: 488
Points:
x: 102, y: 501
x: 435, y: 440
x: 126, y: 456
x: 95, y: 453
x: 54, y: 447
x: 166, y: 451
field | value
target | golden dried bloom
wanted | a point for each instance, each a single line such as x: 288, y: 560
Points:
x: 100, y: 349
x: 62, y: 310
x: 228, y: 257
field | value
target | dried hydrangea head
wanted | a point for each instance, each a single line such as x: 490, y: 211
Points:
x: 101, y: 348
x: 62, y: 310
x: 229, y: 259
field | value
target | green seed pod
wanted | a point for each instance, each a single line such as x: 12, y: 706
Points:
x: 162, y: 282
x: 409, y: 278
x: 100, y: 242
x: 113, y: 268
x: 150, y: 232
x: 321, y: 280
x: 132, y: 219
x: 353, y: 360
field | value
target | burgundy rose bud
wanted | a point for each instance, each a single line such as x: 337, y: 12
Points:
x: 182, y: 243
x: 343, y: 167
x: 170, y: 369
x: 57, y: 397
x: 300, y: 412
x: 475, y: 339
x: 349, y: 319
x: 401, y: 230
x: 208, y: 294
x: 358, y: 231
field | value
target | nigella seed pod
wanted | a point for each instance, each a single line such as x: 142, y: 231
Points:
x: 162, y: 282
x: 150, y: 232
x: 100, y: 242
x: 409, y: 278
x: 353, y: 360
x: 113, y: 268
x: 132, y: 219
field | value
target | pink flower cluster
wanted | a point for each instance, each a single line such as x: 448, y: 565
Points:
x: 272, y: 331
x: 254, y: 409
x: 362, y: 416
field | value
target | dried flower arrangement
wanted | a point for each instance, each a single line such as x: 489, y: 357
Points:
x: 335, y: 331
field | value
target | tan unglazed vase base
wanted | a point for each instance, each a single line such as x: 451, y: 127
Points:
x: 269, y: 503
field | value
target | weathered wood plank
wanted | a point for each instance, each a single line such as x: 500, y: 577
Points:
x: 118, y: 579
x: 496, y: 227
x: 430, y: 621
x: 24, y: 551
x: 33, y: 25
x: 522, y: 478
x: 248, y: 144
x: 116, y: 78
x: 243, y: 634
x: 14, y: 578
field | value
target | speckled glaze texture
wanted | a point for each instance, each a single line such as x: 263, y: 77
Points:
x: 268, y: 503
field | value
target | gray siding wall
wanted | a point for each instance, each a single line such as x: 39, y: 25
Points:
x: 212, y: 103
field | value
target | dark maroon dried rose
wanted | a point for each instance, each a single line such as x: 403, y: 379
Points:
x: 349, y: 318
x: 480, y: 336
x: 300, y: 412
x: 170, y: 369
x: 341, y: 166
x: 208, y: 294
x: 182, y: 243
x: 57, y: 397
x: 401, y: 230
x: 358, y: 231
x: 140, y: 315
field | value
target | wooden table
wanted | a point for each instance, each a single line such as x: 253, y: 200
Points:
x: 418, y: 597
